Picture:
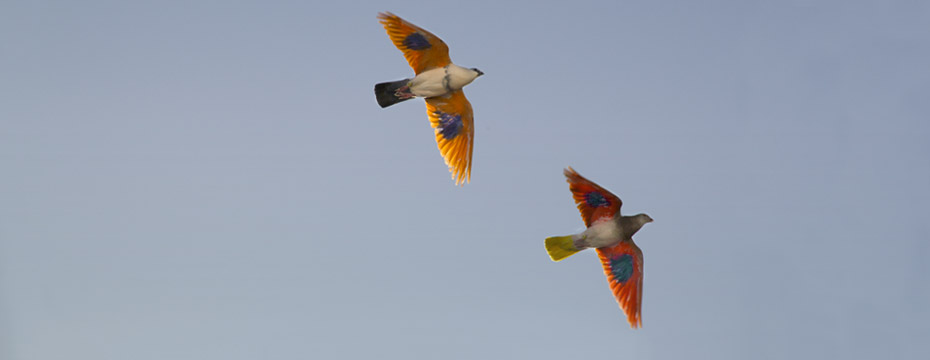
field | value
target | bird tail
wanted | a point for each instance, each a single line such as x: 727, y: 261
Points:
x: 392, y: 92
x: 560, y: 247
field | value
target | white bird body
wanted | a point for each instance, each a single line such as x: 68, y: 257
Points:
x: 441, y: 81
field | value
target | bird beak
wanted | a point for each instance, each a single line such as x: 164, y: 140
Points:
x: 479, y: 72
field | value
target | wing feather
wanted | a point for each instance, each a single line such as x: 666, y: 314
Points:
x: 453, y: 123
x: 593, y: 201
x: 422, y: 49
x: 623, y: 266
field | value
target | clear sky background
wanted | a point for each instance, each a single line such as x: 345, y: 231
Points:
x: 214, y: 180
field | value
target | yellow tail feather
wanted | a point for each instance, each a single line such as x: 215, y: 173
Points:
x: 560, y: 247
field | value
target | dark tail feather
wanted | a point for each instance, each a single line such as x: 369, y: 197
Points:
x: 387, y: 92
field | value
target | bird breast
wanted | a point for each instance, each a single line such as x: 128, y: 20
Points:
x: 457, y: 77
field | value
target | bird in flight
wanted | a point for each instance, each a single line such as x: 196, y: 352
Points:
x: 611, y: 234
x: 440, y: 82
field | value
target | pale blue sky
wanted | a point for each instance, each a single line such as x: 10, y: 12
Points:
x: 214, y: 180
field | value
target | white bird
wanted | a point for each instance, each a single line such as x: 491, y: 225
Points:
x: 440, y: 82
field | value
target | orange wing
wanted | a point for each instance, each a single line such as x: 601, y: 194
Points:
x: 422, y: 49
x: 593, y: 201
x: 452, y: 120
x: 623, y: 265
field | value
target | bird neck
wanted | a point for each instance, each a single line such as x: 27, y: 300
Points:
x: 630, y: 225
x: 457, y: 77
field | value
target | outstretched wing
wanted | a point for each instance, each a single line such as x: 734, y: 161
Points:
x: 593, y: 201
x: 422, y: 49
x: 623, y: 265
x: 452, y: 120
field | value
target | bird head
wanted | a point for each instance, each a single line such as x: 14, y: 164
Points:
x: 644, y: 219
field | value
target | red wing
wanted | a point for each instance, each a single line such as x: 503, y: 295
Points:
x: 623, y: 265
x: 452, y: 120
x: 422, y: 49
x: 593, y: 201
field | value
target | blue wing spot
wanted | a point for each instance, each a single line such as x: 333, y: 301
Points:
x: 622, y: 267
x: 595, y: 199
x: 449, y: 125
x: 417, y: 41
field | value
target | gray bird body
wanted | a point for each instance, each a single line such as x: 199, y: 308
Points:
x: 609, y: 232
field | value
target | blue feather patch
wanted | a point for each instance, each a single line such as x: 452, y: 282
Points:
x: 449, y: 125
x: 622, y: 267
x: 595, y: 199
x: 416, y: 41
